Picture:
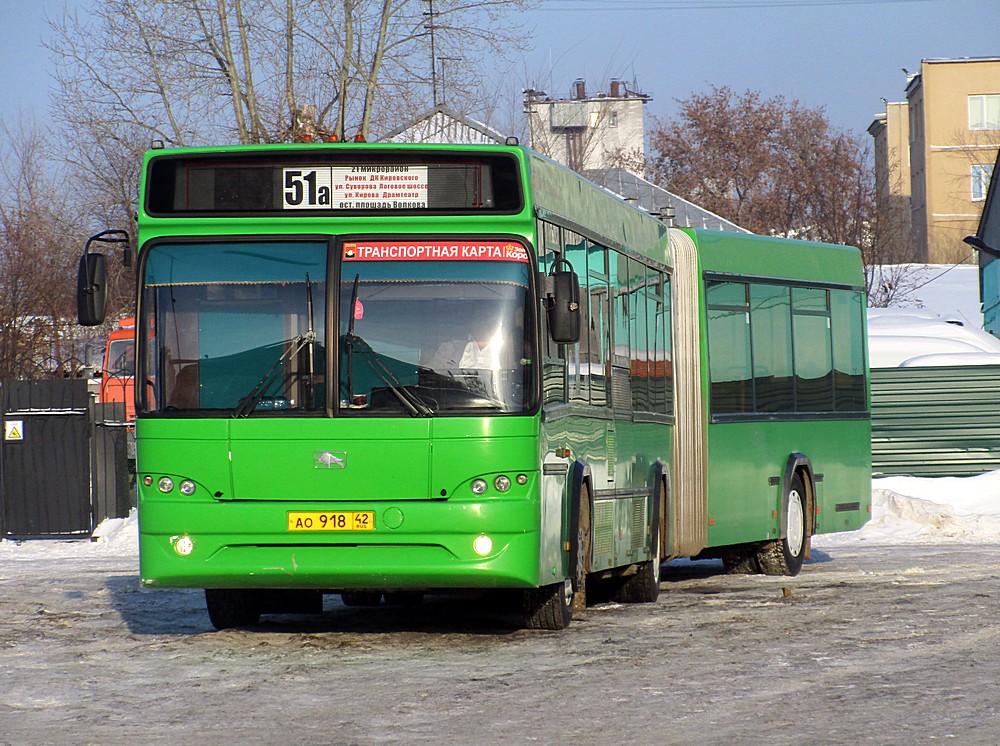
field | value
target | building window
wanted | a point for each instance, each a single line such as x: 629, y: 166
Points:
x: 984, y: 112
x: 980, y: 182
x: 613, y: 119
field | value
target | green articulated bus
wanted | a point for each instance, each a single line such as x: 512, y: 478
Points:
x: 384, y: 370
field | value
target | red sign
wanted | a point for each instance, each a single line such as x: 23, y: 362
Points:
x: 425, y: 251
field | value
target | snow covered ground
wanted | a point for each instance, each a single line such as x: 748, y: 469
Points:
x: 885, y: 638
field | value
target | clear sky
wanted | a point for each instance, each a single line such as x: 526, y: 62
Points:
x: 844, y: 55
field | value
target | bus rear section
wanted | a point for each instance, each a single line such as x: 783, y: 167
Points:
x: 787, y: 405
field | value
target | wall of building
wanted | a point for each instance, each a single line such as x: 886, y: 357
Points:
x: 943, y: 150
x: 891, y: 135
x: 590, y: 132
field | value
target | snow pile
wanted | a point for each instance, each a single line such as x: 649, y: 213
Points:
x: 119, y: 535
x: 114, y: 536
x: 929, y: 511
x: 911, y: 337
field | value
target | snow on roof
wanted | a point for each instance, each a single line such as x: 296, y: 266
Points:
x: 938, y: 323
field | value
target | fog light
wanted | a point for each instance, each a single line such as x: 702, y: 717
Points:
x: 187, y: 487
x: 502, y: 483
x: 482, y: 545
x: 184, y: 546
x: 165, y: 484
x: 522, y: 479
x: 479, y: 486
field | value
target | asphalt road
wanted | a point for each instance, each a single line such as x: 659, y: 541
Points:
x: 869, y: 645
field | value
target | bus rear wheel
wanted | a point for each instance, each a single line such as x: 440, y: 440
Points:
x: 785, y: 557
x: 232, y: 607
x: 549, y: 607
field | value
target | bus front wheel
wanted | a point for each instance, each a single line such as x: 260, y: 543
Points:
x: 549, y: 607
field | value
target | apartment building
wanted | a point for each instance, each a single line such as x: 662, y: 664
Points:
x: 590, y: 132
x: 891, y: 135
x: 951, y: 131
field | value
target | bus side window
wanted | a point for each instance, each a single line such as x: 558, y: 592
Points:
x: 847, y: 310
x: 729, y: 356
x: 553, y: 355
x: 771, y: 320
x: 578, y: 355
x: 598, y: 325
x: 638, y: 336
x: 621, y: 374
x: 664, y: 358
x: 812, y: 347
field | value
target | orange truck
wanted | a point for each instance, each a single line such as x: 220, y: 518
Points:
x: 118, y: 371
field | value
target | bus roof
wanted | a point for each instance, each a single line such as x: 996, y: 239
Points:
x: 780, y: 258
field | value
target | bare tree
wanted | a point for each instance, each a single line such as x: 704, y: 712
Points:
x: 38, y: 254
x: 196, y: 71
x: 190, y: 72
x: 776, y: 167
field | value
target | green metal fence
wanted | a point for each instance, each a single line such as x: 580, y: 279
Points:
x: 933, y: 422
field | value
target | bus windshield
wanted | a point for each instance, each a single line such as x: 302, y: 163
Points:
x: 236, y: 327
x: 438, y: 337
x: 240, y: 329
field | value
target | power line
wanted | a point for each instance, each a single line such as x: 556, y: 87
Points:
x: 609, y: 5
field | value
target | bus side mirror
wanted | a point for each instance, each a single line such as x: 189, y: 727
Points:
x: 562, y: 302
x: 91, y: 279
x: 91, y: 289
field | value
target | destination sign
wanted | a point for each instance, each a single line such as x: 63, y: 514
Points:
x: 332, y: 181
x: 359, y: 187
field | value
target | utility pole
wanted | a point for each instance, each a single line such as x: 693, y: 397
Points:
x: 431, y: 15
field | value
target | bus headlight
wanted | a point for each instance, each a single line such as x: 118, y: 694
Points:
x: 184, y: 545
x: 482, y: 545
x: 479, y: 486
x: 165, y: 484
x: 187, y: 487
x: 502, y: 483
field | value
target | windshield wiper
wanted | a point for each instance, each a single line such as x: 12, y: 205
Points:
x: 311, y: 357
x: 249, y: 402
x: 413, y: 403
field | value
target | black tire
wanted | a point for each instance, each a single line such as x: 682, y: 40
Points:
x: 644, y: 586
x: 785, y: 557
x: 549, y: 607
x: 228, y: 608
x: 361, y: 598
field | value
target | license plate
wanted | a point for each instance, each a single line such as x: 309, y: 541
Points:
x: 336, y: 520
